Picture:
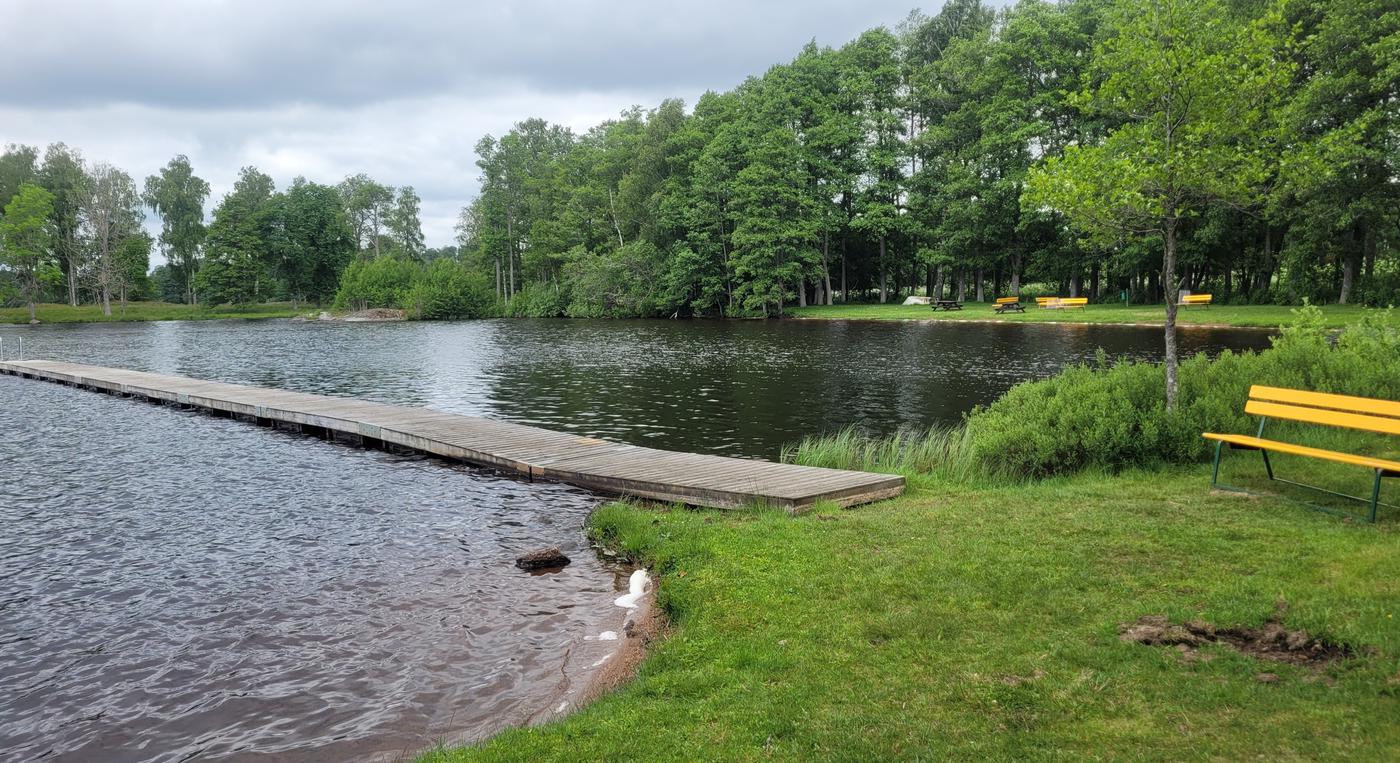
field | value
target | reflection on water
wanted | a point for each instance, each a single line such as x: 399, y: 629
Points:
x: 732, y: 387
x: 176, y: 585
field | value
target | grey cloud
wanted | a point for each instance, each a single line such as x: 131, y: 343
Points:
x: 401, y: 91
x: 252, y: 54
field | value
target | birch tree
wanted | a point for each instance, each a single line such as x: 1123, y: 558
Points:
x: 110, y: 213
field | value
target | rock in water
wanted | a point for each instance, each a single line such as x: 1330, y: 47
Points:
x: 541, y: 559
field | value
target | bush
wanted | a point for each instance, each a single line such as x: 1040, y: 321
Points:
x: 1113, y: 416
x: 538, y: 300
x: 445, y: 289
x: 384, y: 282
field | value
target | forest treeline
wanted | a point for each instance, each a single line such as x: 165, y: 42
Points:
x: 1106, y: 148
x: 901, y: 161
x: 73, y: 231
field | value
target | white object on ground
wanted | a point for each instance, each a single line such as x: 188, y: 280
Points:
x: 913, y: 300
x: 636, y: 588
x: 607, y: 636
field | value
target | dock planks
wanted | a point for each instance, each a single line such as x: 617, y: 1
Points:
x: 691, y: 478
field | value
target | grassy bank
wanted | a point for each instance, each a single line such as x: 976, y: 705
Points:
x: 982, y: 615
x: 147, y: 311
x: 1261, y: 316
x: 981, y: 621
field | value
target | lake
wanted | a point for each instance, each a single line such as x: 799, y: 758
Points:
x: 176, y: 586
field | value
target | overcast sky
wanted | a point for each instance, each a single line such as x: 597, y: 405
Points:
x: 400, y: 90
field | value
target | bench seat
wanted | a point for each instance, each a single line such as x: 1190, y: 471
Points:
x: 1363, y: 414
x: 1259, y: 443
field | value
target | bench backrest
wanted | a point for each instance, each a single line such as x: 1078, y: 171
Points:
x: 1046, y: 300
x: 1194, y: 298
x: 1075, y: 301
x: 1007, y: 300
x: 1343, y: 411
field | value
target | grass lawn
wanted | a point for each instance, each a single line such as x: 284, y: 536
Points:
x: 981, y: 621
x: 146, y: 311
x: 1267, y: 316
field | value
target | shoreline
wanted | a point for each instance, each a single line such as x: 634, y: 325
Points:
x: 586, y: 675
x: 1262, y: 317
x: 993, y: 321
x: 886, y: 612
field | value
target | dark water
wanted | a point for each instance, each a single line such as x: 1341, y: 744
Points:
x: 729, y: 387
x: 175, y: 586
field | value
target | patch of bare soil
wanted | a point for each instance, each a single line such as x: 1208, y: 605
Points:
x: 1271, y: 641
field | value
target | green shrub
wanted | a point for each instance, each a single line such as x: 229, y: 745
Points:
x: 384, y: 282
x: 537, y: 300
x: 446, y: 289
x: 1113, y: 416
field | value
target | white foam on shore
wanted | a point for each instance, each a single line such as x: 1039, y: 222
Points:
x: 636, y: 589
x: 607, y: 636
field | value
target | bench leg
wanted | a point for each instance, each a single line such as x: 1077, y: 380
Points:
x: 1215, y: 468
x: 1268, y: 467
x: 1375, y: 496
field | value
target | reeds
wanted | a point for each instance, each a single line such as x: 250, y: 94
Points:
x: 944, y: 451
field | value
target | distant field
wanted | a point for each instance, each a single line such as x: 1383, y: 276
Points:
x: 1266, y: 316
x: 146, y: 311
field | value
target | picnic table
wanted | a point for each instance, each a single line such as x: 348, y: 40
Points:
x: 946, y: 304
x: 1010, y: 304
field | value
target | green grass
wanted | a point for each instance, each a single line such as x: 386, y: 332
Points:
x: 1263, y: 316
x: 972, y: 619
x: 147, y: 311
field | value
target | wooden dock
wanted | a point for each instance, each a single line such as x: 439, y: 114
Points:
x: 699, y: 480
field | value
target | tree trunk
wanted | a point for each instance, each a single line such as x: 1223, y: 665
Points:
x: 1094, y: 281
x: 1351, y: 263
x: 72, y: 282
x: 882, y: 269
x: 1169, y: 360
x: 1265, y: 274
x: 845, y: 295
x: 612, y: 209
x: 826, y: 267
x: 980, y: 297
x: 937, y: 284
x: 1015, y: 276
x: 962, y: 284
x: 801, y: 291
x: 1368, y: 249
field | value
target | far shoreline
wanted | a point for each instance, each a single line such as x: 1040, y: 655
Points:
x: 1257, y: 317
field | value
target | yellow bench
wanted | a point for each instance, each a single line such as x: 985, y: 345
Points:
x: 1009, y: 304
x: 1359, y: 413
x: 1047, y: 301
x: 1193, y: 300
x: 1079, y: 302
